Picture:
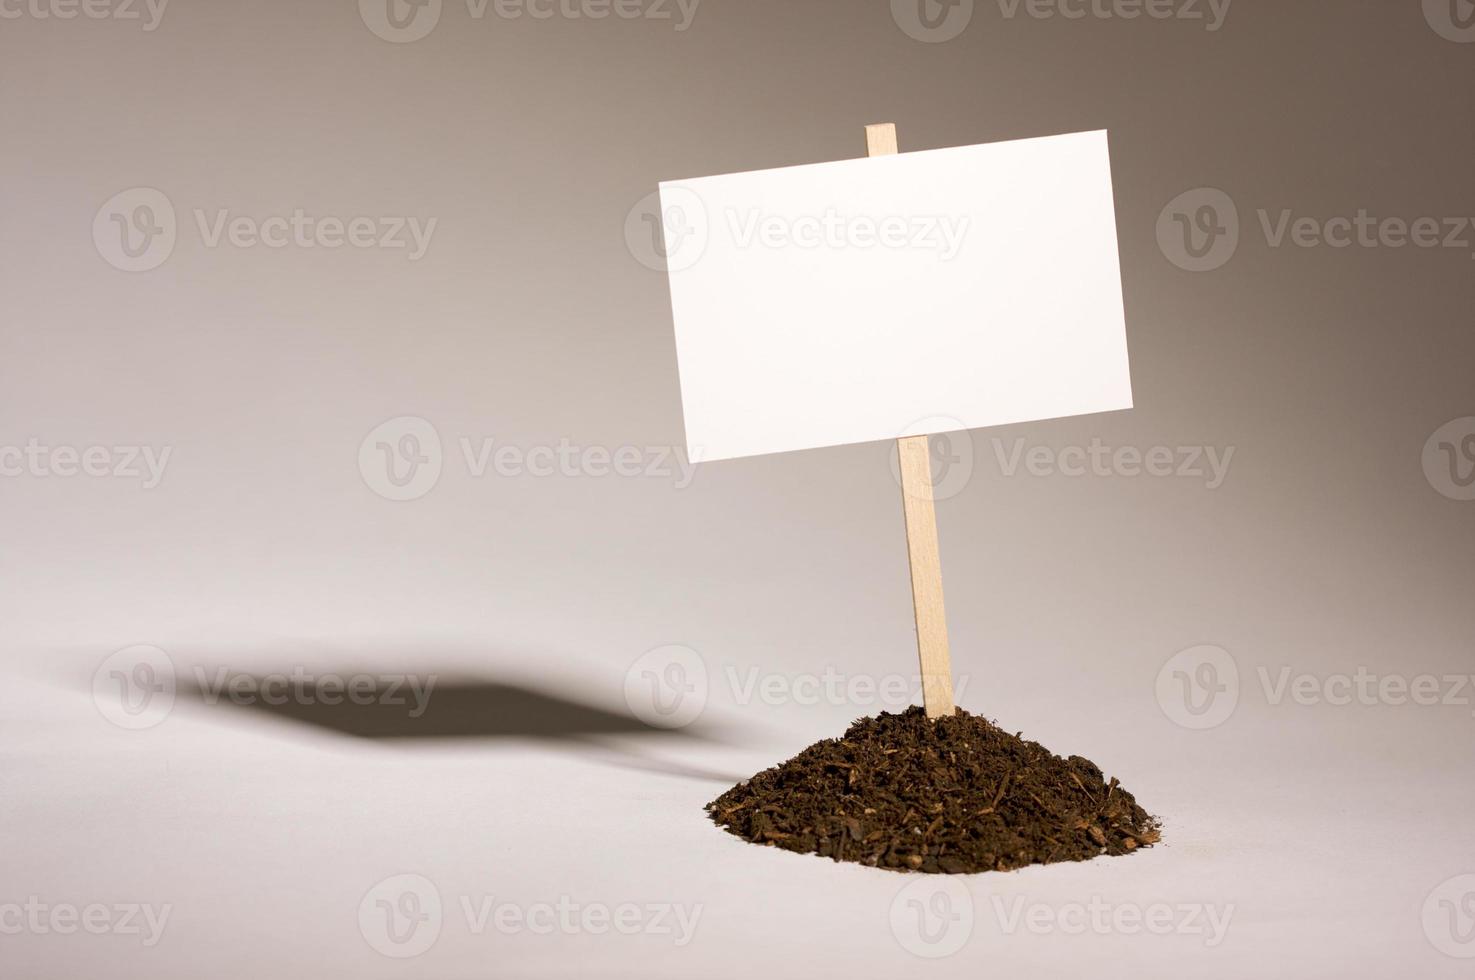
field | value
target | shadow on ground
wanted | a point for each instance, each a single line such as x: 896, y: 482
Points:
x: 385, y: 707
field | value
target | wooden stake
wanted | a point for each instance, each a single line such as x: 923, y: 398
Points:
x: 915, y: 458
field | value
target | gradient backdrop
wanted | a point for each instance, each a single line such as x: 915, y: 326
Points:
x: 1191, y: 630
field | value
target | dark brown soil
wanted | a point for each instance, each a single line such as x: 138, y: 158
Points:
x: 957, y: 795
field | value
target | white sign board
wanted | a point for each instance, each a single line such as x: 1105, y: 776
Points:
x: 870, y: 299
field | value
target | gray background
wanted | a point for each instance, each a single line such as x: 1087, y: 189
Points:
x: 529, y: 321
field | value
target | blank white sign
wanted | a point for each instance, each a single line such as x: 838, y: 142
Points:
x: 869, y: 299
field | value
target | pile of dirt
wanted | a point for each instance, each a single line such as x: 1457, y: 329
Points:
x: 955, y: 795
